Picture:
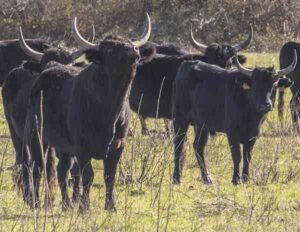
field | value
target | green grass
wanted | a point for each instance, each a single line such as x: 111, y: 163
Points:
x: 150, y: 202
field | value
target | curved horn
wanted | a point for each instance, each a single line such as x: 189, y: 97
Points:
x: 238, y: 47
x: 77, y: 35
x: 195, y: 43
x: 244, y: 70
x: 290, y: 68
x: 93, y: 33
x: 146, y: 35
x: 29, y: 51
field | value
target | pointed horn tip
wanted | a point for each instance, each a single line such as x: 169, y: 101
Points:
x: 77, y: 36
x: 191, y: 31
x: 20, y: 32
x: 295, y: 57
x: 148, y: 19
x: 29, y: 51
x: 146, y: 34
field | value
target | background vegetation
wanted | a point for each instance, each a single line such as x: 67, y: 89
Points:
x: 274, y: 21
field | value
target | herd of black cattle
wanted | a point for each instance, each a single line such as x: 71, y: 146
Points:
x: 76, y: 111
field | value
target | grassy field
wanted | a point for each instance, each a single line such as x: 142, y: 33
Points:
x: 148, y: 201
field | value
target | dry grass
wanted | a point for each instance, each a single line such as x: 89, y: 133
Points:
x: 148, y: 201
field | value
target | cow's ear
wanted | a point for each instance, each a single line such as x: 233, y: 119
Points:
x: 284, y: 83
x: 243, y: 82
x: 147, y: 52
x: 93, y: 55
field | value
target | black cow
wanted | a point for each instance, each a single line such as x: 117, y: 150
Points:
x: 151, y: 91
x: 11, y: 54
x: 213, y: 99
x: 87, y: 114
x: 285, y: 57
x: 15, y: 93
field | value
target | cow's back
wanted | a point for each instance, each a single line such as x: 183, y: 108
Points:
x: 52, y: 92
x: 199, y: 91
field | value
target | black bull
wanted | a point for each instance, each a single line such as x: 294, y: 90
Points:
x: 213, y: 99
x: 87, y: 113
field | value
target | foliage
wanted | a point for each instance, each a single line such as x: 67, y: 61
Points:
x: 274, y: 21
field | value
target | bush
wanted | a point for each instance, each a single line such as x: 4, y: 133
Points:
x: 274, y: 21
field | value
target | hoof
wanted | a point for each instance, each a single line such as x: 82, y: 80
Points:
x: 176, y: 181
x: 83, y: 209
x: 207, y: 180
x: 67, y: 205
x: 146, y: 132
x: 75, y: 198
x: 110, y: 206
x: 236, y: 181
x: 245, y: 179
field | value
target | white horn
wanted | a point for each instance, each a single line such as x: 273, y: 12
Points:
x: 146, y: 35
x: 290, y: 68
x: 77, y: 35
x: 195, y: 43
x: 29, y: 51
x: 244, y: 70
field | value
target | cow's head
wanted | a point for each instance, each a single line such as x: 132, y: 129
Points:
x: 42, y: 59
x: 261, y: 84
x: 221, y: 54
x: 116, y: 52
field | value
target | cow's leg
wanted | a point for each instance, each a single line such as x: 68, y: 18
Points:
x: 63, y: 167
x: 37, y: 174
x: 145, y: 130
x: 236, y: 157
x: 75, y: 173
x: 51, y: 177
x: 37, y: 164
x: 26, y: 180
x: 294, y: 116
x: 247, y: 154
x: 110, y: 168
x: 87, y: 174
x: 280, y: 103
x: 18, y: 145
x: 180, y: 130
x: 201, y: 137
